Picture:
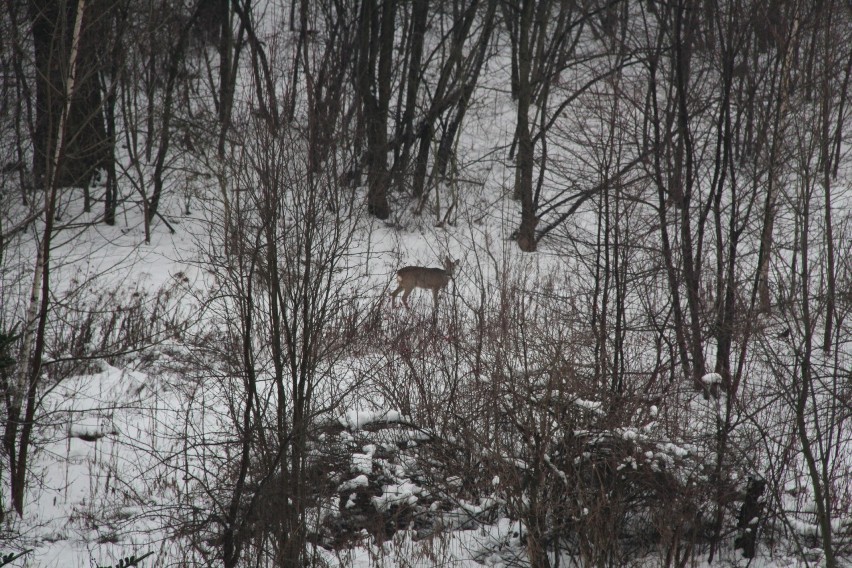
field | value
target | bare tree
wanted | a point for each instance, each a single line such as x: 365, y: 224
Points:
x: 22, y: 394
x: 283, y: 268
x: 543, y: 36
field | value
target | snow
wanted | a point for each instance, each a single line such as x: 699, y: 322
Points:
x: 360, y: 481
x: 592, y: 405
x: 363, y: 462
x: 359, y: 418
x: 405, y: 493
x: 711, y: 379
x: 674, y: 449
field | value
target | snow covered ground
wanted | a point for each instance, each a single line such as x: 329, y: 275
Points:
x: 127, y: 451
x: 106, y: 475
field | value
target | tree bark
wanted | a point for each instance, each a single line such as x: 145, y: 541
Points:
x: 524, y: 160
x: 87, y: 144
x: 373, y: 82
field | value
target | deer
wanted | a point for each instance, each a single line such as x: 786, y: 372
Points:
x: 410, y: 277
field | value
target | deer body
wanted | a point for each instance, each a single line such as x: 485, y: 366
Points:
x: 410, y: 277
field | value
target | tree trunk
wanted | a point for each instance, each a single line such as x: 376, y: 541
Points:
x: 374, y: 73
x: 175, y: 60
x: 406, y: 126
x: 524, y: 160
x: 25, y: 393
x: 87, y: 144
x: 228, y: 60
x: 109, y: 87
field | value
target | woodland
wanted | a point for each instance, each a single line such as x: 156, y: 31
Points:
x: 639, y: 352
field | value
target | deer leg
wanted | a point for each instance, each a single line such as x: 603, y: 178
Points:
x: 434, y: 307
x: 405, y: 297
x: 394, y: 294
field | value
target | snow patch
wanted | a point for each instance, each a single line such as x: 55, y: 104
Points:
x: 397, y: 494
x: 358, y: 418
x: 360, y: 481
x: 592, y: 405
x: 711, y: 379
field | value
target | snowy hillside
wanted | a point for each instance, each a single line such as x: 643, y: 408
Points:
x: 637, y: 352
